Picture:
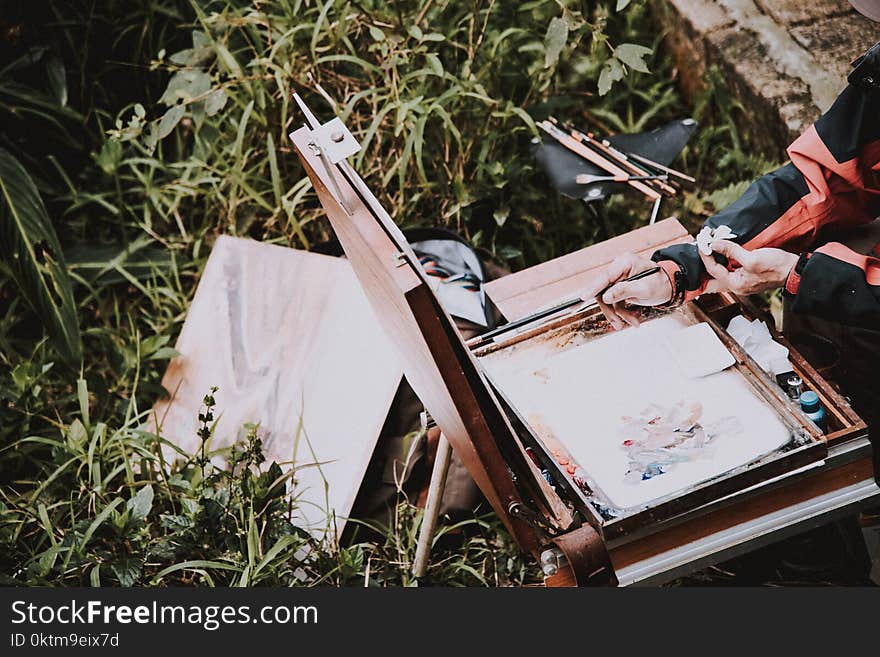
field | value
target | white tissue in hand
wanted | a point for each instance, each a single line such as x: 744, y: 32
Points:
x: 755, y: 338
x: 708, y: 235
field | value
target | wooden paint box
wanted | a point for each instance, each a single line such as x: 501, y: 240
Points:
x: 810, y: 478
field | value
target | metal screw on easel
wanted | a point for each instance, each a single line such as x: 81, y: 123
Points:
x: 552, y: 560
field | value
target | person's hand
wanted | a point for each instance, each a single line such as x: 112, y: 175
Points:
x: 652, y: 290
x: 760, y: 269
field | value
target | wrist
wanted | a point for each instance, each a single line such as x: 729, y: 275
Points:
x: 793, y: 279
x: 783, y: 271
x: 675, y: 277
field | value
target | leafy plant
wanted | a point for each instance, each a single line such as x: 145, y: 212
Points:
x: 30, y: 249
x: 148, y: 127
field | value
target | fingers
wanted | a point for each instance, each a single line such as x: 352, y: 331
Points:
x: 621, y: 267
x: 628, y: 316
x: 716, y: 271
x: 628, y: 290
x: 616, y: 321
x: 734, y: 252
x: 614, y: 294
x: 614, y: 300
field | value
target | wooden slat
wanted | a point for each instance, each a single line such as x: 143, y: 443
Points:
x: 824, y: 481
x: 436, y: 361
x: 529, y: 290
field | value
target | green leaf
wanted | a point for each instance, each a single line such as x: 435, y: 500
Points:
x: 98, y: 521
x: 215, y: 102
x: 554, y: 41
x: 621, y: 5
x: 76, y: 435
x: 282, y: 544
x: 193, y: 564
x: 186, y: 85
x: 29, y: 246
x: 127, y: 570
x: 721, y: 198
x: 109, y: 156
x: 141, y: 503
x: 57, y: 79
x: 130, y: 261
x: 611, y: 72
x: 242, y: 129
x: 434, y: 64
x: 82, y: 394
x: 273, y: 169
x: 170, y: 120
x: 633, y: 56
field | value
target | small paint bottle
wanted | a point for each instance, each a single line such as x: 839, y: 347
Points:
x: 813, y: 409
x: 795, y: 387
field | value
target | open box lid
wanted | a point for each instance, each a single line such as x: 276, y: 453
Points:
x: 436, y: 361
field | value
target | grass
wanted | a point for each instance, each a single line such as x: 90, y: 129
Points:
x: 149, y: 127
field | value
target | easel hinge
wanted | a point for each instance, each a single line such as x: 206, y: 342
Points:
x: 520, y: 511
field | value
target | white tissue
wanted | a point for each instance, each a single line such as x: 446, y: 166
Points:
x: 708, y: 235
x: 755, y: 338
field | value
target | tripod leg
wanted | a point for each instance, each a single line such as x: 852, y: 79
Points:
x: 432, y: 506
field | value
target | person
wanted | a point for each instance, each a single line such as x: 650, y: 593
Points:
x: 831, y: 182
x: 810, y: 227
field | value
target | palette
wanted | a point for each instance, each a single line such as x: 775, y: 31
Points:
x: 626, y: 428
x: 625, y: 412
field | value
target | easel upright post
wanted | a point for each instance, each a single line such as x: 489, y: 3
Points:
x: 432, y: 506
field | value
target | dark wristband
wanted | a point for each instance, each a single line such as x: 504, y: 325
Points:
x: 793, y: 281
x: 677, y: 280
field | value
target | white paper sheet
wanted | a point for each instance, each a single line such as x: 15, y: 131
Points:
x: 582, y: 394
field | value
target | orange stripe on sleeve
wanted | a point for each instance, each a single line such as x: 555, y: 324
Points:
x: 868, y: 264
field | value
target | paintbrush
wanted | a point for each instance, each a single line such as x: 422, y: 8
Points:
x: 660, y: 167
x: 605, y: 148
x: 489, y: 337
x: 589, y: 179
x: 634, y: 277
x: 595, y: 158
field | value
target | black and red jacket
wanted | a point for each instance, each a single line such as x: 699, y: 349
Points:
x: 833, y: 179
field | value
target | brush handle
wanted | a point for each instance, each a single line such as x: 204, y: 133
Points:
x: 634, y: 277
x: 487, y: 338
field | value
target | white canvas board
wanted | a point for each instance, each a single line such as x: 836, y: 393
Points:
x: 583, y: 394
x: 292, y: 343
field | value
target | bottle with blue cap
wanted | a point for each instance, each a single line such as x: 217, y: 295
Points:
x: 813, y: 409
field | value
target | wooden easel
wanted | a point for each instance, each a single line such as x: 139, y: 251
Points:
x: 445, y: 374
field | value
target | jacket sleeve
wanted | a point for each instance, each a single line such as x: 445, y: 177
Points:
x: 837, y: 283
x: 833, y: 178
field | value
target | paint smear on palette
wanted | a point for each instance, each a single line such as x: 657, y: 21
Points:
x: 660, y: 438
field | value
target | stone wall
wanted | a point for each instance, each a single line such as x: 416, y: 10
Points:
x: 785, y: 60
